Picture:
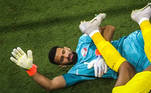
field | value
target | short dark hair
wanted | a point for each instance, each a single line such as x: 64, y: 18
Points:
x: 52, y: 54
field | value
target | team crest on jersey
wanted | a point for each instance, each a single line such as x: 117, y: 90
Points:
x: 84, y: 52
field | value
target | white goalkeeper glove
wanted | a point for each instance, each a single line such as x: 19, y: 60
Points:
x: 21, y: 58
x: 92, y: 25
x: 90, y: 64
x: 99, y: 65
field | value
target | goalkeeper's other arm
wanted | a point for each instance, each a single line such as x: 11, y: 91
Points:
x: 107, y: 32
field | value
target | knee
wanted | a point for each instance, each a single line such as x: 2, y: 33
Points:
x: 127, y: 68
x: 127, y: 65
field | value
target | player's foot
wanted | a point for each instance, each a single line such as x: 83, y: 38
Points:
x: 95, y: 22
x: 98, y: 19
x: 144, y: 12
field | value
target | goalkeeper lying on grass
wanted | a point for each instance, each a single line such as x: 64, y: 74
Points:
x: 88, y: 62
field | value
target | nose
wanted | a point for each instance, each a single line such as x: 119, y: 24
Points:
x: 66, y: 55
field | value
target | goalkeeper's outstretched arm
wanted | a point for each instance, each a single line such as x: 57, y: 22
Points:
x: 23, y: 60
x: 56, y: 83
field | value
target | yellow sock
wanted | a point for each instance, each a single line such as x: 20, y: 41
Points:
x: 111, y: 56
x: 140, y: 83
x: 146, y: 31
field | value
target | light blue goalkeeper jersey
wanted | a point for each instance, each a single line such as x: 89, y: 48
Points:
x: 130, y: 47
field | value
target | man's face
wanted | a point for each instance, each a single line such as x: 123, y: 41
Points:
x: 65, y: 56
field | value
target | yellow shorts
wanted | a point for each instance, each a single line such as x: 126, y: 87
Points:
x: 140, y: 83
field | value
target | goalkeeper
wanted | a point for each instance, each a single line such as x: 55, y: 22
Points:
x: 86, y: 67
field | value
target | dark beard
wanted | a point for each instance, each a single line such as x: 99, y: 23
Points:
x: 74, y: 59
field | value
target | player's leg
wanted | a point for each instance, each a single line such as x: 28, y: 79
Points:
x: 125, y: 73
x: 140, y: 83
x: 142, y: 17
x: 114, y: 60
x: 112, y: 57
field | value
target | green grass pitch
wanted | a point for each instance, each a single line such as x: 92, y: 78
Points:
x: 40, y: 24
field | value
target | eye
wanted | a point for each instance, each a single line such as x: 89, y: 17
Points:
x: 63, y: 51
x: 61, y: 59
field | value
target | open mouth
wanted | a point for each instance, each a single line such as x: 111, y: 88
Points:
x: 71, y: 56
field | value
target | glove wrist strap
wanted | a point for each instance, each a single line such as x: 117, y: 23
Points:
x: 32, y: 71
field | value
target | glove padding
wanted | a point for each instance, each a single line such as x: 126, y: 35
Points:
x: 99, y: 65
x: 21, y: 58
x: 92, y: 25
